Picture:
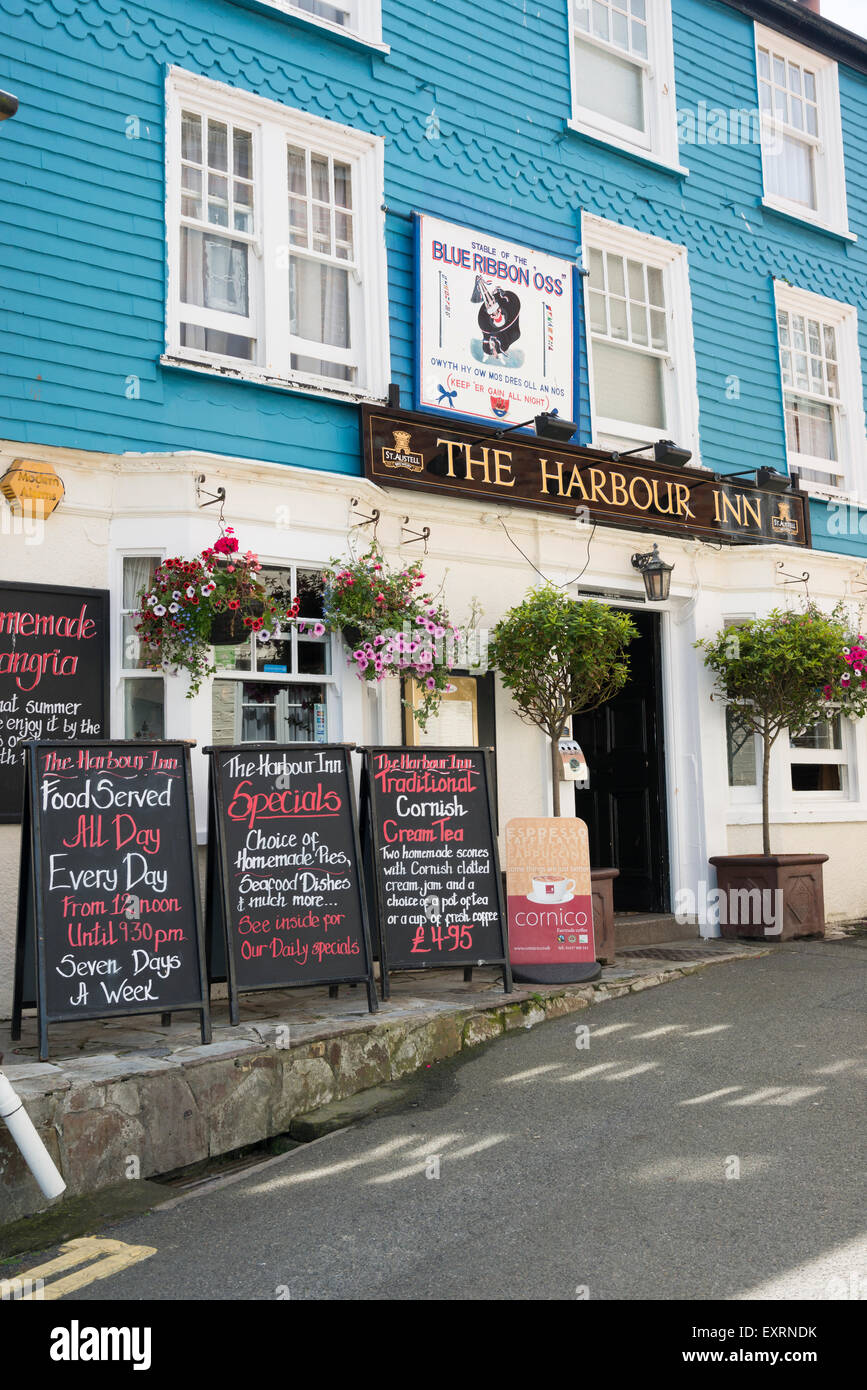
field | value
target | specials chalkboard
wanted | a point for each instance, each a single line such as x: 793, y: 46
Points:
x: 109, y: 915
x: 285, y: 901
x: 53, y: 674
x: 428, y: 814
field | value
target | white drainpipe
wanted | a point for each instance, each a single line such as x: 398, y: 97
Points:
x: 33, y: 1151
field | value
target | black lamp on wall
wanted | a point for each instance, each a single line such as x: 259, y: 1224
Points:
x: 655, y: 573
x: 550, y: 424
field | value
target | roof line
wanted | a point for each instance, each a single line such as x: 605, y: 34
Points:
x: 792, y: 18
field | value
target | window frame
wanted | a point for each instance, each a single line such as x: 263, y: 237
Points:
x: 366, y: 25
x: 850, y: 423
x: 829, y: 166
x: 329, y: 680
x: 274, y: 128
x: 680, y: 389
x: 845, y: 759
x: 659, y: 140
x: 292, y: 677
x: 124, y: 673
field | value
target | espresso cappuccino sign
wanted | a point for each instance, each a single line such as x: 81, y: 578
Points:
x: 405, y: 450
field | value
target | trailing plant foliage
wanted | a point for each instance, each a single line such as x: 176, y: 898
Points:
x: 558, y: 657
x: 391, y: 627
x: 178, y: 608
x: 789, y: 670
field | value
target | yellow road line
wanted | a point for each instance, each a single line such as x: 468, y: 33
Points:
x: 105, y: 1257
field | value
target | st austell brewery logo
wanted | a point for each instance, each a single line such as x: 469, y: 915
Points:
x: 401, y: 456
x: 784, y: 523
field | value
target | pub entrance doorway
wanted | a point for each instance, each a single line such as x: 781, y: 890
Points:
x: 625, y: 804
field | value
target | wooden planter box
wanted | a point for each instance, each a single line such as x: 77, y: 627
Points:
x: 750, y: 883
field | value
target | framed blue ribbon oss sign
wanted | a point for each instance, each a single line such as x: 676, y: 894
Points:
x: 497, y: 326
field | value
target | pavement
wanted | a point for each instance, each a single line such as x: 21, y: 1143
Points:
x: 123, y: 1089
x: 703, y: 1141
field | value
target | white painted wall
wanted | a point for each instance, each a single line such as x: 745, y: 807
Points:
x: 140, y: 503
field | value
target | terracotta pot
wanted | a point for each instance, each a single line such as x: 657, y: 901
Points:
x: 228, y: 628
x: 752, y: 908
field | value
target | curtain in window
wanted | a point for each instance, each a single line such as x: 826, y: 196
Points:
x: 628, y: 385
x: 810, y: 428
x: 789, y: 166
x: 137, y: 572
x: 609, y: 85
x: 319, y: 312
x: 214, y: 272
x: 319, y: 302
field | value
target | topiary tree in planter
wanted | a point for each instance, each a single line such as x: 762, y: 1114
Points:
x: 788, y: 671
x: 559, y: 656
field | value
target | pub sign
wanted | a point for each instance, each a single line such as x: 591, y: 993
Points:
x: 402, y: 449
x: 496, y: 326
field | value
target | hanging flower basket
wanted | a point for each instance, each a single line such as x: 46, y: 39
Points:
x: 390, y: 628
x: 215, y: 599
x: 233, y: 626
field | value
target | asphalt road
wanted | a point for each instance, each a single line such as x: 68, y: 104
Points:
x: 609, y: 1169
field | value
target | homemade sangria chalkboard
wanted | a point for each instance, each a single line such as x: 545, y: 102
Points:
x: 53, y: 674
x: 429, y: 816
x: 286, y: 905
x: 109, y: 915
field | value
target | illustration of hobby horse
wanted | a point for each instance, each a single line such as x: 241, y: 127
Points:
x: 498, y: 317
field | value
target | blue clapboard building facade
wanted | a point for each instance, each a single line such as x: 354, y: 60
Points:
x: 215, y: 221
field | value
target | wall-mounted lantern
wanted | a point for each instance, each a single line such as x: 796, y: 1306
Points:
x: 655, y: 573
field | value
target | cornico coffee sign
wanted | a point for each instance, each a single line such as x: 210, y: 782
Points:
x: 495, y: 325
x: 406, y: 450
x: 549, y: 899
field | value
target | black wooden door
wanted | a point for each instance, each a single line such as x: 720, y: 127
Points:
x: 624, y: 806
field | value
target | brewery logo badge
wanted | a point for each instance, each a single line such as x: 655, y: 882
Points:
x: 401, y: 456
x: 784, y: 521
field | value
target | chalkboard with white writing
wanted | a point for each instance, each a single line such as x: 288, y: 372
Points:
x: 428, y: 814
x: 53, y: 674
x: 286, y: 906
x: 109, y: 913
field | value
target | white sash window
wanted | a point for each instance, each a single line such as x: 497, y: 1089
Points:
x: 820, y: 371
x: 623, y: 75
x: 802, y: 140
x: 276, y: 243
x: 642, y: 362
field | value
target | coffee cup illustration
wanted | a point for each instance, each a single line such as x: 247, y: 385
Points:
x: 549, y: 888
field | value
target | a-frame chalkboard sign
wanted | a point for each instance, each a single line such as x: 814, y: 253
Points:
x: 428, y: 823
x: 285, y: 899
x: 109, y: 911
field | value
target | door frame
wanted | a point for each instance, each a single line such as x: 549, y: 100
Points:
x: 663, y: 703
